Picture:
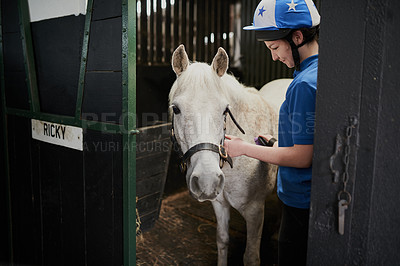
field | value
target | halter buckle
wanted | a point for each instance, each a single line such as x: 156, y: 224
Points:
x: 222, y: 152
x: 182, y: 167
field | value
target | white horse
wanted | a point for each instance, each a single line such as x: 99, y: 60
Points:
x: 200, y: 99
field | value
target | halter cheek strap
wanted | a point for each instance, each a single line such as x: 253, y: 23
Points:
x: 220, y: 149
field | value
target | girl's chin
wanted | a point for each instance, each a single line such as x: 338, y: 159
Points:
x: 289, y: 65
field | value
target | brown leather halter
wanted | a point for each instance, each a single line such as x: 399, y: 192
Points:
x: 220, y: 149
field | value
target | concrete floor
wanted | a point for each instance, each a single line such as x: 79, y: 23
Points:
x: 185, y: 234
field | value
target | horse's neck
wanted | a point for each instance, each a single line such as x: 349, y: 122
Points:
x: 247, y: 105
x: 236, y: 93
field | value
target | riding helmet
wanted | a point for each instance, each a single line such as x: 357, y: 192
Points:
x: 275, y: 19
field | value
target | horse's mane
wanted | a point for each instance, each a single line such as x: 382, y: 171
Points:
x: 202, y: 75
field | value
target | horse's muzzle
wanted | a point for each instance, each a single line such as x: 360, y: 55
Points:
x: 206, y: 186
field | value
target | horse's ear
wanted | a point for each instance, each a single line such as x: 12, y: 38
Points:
x: 180, y: 60
x: 220, y: 62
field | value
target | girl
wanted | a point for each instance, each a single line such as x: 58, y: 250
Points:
x: 289, y: 29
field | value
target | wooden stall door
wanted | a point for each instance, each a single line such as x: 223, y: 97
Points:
x: 357, y: 104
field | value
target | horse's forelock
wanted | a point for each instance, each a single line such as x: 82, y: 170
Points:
x: 198, y: 78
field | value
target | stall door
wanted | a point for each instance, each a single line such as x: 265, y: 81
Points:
x: 355, y: 213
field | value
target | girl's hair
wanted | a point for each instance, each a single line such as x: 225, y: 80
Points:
x: 310, y: 34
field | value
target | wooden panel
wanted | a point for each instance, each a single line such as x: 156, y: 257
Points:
x: 149, y: 185
x: 58, y: 44
x: 337, y: 100
x: 149, y: 204
x: 12, y: 51
x: 103, y: 96
x: 4, y: 219
x: 9, y: 15
x: 103, y: 190
x: 14, y: 70
x: 25, y: 197
x: 147, y: 166
x: 148, y: 220
x: 105, y: 45
x: 62, y: 205
x: 152, y: 159
x: 16, y: 90
x: 383, y: 242
x: 103, y: 9
x: 154, y: 133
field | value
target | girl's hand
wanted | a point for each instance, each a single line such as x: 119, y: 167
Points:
x: 234, y: 146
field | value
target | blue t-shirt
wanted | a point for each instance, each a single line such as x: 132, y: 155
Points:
x: 296, y: 126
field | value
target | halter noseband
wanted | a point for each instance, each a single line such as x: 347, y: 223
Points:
x: 220, y: 149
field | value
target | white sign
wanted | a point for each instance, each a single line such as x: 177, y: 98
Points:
x: 47, y: 9
x: 67, y: 136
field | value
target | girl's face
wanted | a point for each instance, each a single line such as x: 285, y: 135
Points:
x: 280, y: 50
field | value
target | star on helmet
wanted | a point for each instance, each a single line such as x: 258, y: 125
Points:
x: 292, y: 6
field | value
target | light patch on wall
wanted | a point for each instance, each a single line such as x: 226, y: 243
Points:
x: 47, y: 9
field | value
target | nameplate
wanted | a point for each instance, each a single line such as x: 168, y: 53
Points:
x: 63, y: 135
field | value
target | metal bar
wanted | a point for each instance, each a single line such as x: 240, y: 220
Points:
x: 68, y: 120
x: 168, y: 33
x: 218, y: 25
x: 5, y: 142
x: 29, y: 58
x: 158, y: 33
x: 213, y: 32
x: 176, y: 33
x: 200, y: 34
x: 84, y: 54
x: 190, y: 27
x: 152, y: 33
x: 225, y: 26
x: 143, y: 33
x: 184, y: 32
x: 129, y: 139
x: 207, y: 26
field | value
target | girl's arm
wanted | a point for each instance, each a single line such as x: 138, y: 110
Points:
x: 299, y: 156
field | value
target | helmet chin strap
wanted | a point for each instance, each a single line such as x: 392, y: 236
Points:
x: 295, y: 48
x: 295, y: 51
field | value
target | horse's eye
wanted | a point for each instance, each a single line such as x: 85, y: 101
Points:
x: 176, y: 110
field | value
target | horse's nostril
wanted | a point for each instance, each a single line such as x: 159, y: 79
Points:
x: 194, y: 184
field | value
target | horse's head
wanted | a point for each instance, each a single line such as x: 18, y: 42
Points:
x: 199, y: 105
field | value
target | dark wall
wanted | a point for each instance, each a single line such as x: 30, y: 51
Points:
x: 357, y: 78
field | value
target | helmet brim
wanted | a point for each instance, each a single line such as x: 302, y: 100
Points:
x: 271, y: 35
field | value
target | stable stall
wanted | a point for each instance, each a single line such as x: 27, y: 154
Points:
x: 68, y: 71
